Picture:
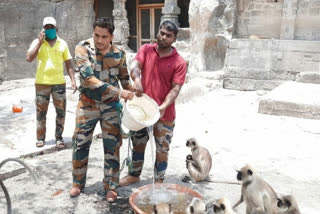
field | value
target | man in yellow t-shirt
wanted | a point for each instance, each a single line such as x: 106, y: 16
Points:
x: 51, y: 51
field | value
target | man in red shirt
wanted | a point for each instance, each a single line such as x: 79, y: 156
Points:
x: 159, y: 71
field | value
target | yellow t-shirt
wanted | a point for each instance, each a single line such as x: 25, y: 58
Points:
x: 50, y: 62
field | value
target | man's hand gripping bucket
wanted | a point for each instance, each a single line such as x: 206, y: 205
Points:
x: 140, y: 112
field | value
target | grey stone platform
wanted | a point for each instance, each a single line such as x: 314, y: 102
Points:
x: 293, y: 99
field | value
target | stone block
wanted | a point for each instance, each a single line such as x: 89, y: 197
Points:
x: 250, y: 84
x: 293, y: 99
x: 256, y: 13
x: 316, y: 4
x: 259, y: 74
x: 309, y: 77
x: 256, y: 61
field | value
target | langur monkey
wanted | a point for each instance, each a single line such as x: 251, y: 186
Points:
x: 258, y: 195
x: 222, y: 206
x: 288, y: 205
x: 162, y: 208
x: 199, y: 163
x: 197, y: 206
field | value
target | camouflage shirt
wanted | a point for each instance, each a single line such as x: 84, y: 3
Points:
x: 99, y: 74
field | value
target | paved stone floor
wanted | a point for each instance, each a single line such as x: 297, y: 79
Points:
x: 284, y: 151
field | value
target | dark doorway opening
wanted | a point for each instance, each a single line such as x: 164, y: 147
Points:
x: 103, y: 8
x: 183, y: 17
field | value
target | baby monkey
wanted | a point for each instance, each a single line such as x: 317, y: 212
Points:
x: 197, y: 206
x: 222, y: 206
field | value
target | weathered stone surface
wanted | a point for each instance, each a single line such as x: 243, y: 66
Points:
x: 307, y: 25
x: 210, y: 33
x: 22, y: 21
x: 285, y: 19
x: 289, y: 13
x: 205, y: 45
x: 214, y: 52
x: 250, y: 84
x: 293, y: 99
x: 256, y: 61
x: 309, y: 77
x: 197, y: 84
x: 191, y: 90
x: 121, y: 24
x: 183, y: 43
x: 261, y: 18
x: 3, y: 54
x: 259, y: 74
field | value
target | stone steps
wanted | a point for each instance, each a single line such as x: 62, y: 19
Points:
x: 294, y: 99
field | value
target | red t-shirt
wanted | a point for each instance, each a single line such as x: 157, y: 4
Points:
x: 158, y: 74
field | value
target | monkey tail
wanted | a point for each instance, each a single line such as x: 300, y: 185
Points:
x: 222, y: 182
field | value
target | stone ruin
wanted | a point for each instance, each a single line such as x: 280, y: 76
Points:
x: 234, y: 44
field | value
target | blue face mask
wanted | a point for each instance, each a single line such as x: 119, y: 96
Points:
x: 51, y: 33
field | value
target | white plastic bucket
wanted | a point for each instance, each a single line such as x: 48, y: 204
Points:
x: 140, y: 112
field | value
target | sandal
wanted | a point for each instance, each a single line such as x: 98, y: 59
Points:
x: 40, y: 143
x: 60, y: 144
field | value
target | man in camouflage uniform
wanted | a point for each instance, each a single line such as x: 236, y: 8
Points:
x: 159, y: 71
x: 101, y: 65
x: 51, y: 51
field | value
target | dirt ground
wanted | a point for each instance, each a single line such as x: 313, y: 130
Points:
x: 283, y: 150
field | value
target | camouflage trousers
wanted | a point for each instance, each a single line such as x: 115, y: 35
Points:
x: 58, y: 93
x: 163, y: 132
x: 87, y: 116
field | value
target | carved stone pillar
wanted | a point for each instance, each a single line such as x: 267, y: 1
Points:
x: 170, y: 11
x: 289, y: 15
x: 121, y: 24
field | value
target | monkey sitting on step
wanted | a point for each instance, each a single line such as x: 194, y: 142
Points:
x: 199, y: 162
x: 222, y: 206
x: 197, y: 206
x: 258, y: 195
x: 288, y: 205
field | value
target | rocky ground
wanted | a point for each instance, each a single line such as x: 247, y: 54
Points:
x: 284, y: 151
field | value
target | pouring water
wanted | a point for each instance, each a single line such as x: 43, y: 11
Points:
x: 151, y: 139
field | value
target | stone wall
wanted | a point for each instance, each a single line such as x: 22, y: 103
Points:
x: 3, y: 54
x: 265, y: 18
x: 307, y: 26
x: 210, y: 33
x: 259, y: 17
x: 265, y: 64
x: 21, y: 21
